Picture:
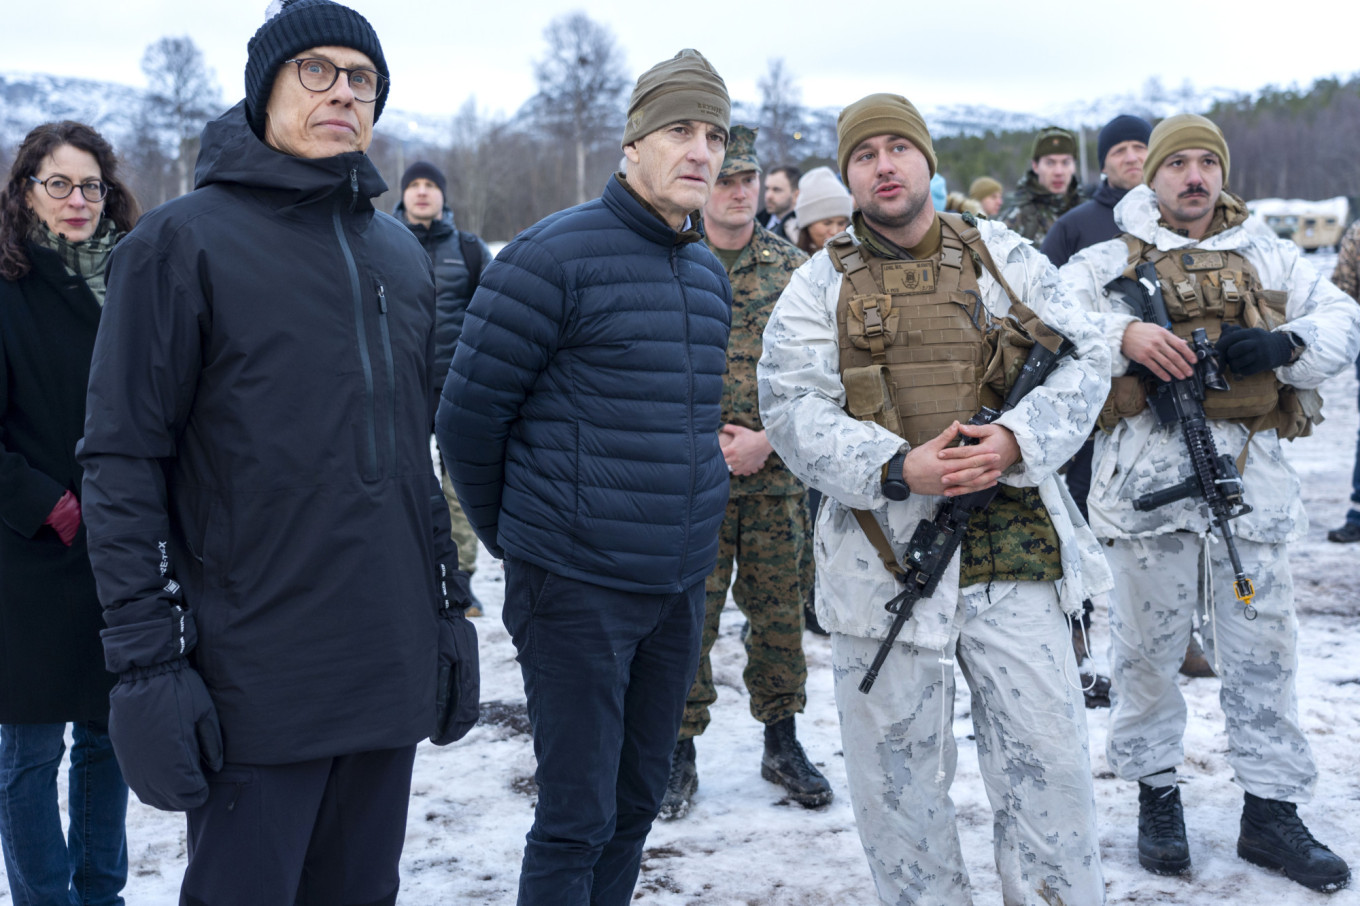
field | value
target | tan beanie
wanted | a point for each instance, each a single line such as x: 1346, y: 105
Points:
x: 879, y: 114
x: 984, y: 187
x: 1181, y: 133
x: 821, y: 195
x: 685, y: 87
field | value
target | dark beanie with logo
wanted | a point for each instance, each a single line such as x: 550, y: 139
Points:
x: 295, y: 26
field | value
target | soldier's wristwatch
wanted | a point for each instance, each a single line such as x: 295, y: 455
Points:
x: 894, y: 485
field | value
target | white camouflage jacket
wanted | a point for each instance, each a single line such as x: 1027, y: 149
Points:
x: 1138, y: 456
x: 802, y: 407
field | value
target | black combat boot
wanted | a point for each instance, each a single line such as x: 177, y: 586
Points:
x: 786, y: 764
x: 1161, y: 830
x: 682, y: 784
x: 1274, y: 837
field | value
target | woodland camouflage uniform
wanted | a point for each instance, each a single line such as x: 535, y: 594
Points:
x: 1031, y: 209
x: 766, y: 525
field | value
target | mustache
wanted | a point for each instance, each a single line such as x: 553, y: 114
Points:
x: 1195, y: 192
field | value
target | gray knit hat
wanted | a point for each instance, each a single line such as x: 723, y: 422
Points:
x: 685, y: 87
x: 294, y: 26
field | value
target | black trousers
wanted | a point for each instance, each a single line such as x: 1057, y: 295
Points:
x: 327, y: 832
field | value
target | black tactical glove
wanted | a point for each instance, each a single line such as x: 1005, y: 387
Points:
x: 1252, y: 350
x: 458, y: 678
x: 164, y: 729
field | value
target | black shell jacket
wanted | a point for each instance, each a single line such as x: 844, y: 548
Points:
x: 257, y: 450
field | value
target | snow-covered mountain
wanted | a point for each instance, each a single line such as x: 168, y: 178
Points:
x: 27, y: 99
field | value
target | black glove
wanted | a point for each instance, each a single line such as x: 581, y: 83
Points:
x: 164, y: 729
x: 458, y: 682
x: 1252, y: 350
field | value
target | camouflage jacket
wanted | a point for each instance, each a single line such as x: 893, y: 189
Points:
x: 1139, y: 456
x: 1346, y: 275
x: 802, y: 403
x: 758, y: 277
x: 1031, y: 209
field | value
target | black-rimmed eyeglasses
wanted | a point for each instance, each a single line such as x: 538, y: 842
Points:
x: 60, y: 187
x: 320, y: 75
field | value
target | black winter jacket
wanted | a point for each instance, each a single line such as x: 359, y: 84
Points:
x: 51, y: 662
x: 580, y: 418
x: 257, y: 449
x: 452, y: 282
x: 1084, y: 225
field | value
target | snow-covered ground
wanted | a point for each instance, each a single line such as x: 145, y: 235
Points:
x: 472, y: 802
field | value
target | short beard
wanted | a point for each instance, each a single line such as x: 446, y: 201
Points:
x: 875, y: 216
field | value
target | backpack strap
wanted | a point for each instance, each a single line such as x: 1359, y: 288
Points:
x: 472, y: 257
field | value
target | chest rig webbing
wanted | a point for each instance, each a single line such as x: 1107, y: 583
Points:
x: 1207, y: 289
x: 918, y: 351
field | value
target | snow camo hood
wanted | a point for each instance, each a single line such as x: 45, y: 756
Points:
x: 232, y: 154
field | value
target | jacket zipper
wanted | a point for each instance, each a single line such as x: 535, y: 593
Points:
x: 689, y: 392
x: 391, y: 378
x: 370, y: 405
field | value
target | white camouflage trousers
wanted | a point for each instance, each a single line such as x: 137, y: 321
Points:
x: 1030, y: 723
x: 1159, y: 582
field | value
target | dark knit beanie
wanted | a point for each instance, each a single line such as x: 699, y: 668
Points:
x: 685, y: 87
x: 1053, y: 140
x: 880, y: 114
x: 1183, y: 132
x: 1123, y: 128
x: 297, y: 26
x: 423, y: 169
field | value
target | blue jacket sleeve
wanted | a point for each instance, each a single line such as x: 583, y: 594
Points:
x: 514, y: 327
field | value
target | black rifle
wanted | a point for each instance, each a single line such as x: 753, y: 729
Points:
x: 1214, y: 478
x: 934, y: 542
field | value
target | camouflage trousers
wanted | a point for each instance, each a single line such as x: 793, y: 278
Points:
x: 462, y: 533
x: 1029, y: 719
x: 1162, y: 583
x: 766, y: 535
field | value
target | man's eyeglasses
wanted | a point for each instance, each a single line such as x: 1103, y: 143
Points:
x: 60, y: 187
x: 320, y: 75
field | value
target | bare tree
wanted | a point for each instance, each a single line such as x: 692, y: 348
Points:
x: 183, y: 96
x: 581, y: 83
x: 781, y: 115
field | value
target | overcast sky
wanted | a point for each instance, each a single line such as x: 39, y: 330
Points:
x: 1019, y: 56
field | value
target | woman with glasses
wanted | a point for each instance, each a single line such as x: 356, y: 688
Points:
x: 61, y: 211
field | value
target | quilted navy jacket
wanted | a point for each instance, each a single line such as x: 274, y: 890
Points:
x: 580, y: 418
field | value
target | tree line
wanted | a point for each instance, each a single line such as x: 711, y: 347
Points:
x: 506, y: 172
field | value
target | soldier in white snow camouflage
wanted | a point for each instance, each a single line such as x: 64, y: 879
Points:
x: 1010, y: 636
x: 1169, y: 560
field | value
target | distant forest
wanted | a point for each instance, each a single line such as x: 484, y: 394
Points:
x: 507, y: 172
x: 1282, y: 144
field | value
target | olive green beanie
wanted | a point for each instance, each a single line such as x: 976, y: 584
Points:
x: 1053, y: 140
x: 880, y: 114
x: 984, y: 187
x: 685, y: 87
x: 1181, y: 133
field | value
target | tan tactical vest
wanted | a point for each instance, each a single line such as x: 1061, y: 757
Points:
x: 1207, y: 289
x: 919, y: 351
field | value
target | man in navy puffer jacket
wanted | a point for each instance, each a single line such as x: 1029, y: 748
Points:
x: 580, y: 425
